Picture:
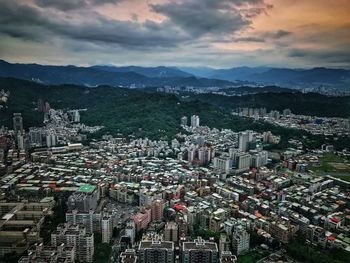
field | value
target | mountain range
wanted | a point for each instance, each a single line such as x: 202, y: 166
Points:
x: 285, y: 77
x: 107, y: 75
x: 139, y: 77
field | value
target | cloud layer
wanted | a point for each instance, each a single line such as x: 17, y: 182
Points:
x: 218, y: 33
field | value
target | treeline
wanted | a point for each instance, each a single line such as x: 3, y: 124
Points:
x: 313, y: 104
x: 298, y: 249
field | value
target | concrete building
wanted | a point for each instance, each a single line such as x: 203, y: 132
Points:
x: 128, y: 256
x: 143, y: 219
x: 51, y: 139
x: 84, y: 199
x: 244, y: 138
x: 20, y: 224
x: 184, y: 121
x: 75, y: 116
x: 50, y: 254
x: 77, y: 236
x: 156, y: 250
x: 157, y: 208
x: 35, y: 136
x: 17, y: 123
x: 240, y: 240
x: 258, y: 159
x: 223, y: 164
x: 204, y: 155
x: 200, y: 251
x: 242, y: 162
x: 227, y: 257
x: 107, y: 228
x: 194, y: 121
x: 130, y: 230
x: 171, y: 232
x: 21, y: 141
x: 85, y: 218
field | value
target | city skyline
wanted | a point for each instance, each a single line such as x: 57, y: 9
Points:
x: 221, y: 34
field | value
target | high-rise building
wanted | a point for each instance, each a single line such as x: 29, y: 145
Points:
x: 107, y: 228
x: 17, y: 123
x: 157, y: 208
x: 47, y: 107
x: 85, y: 218
x: 171, y: 232
x: 76, y: 116
x: 35, y: 136
x: 194, y: 121
x: 244, y: 138
x: 204, y: 155
x: 191, y: 154
x: 77, y: 236
x: 156, y: 250
x: 184, y: 121
x: 84, y: 199
x: 51, y: 139
x: 258, y: 159
x: 240, y: 240
x: 242, y: 162
x: 130, y: 230
x: 40, y: 105
x: 20, y: 141
x: 223, y: 164
x: 224, y: 242
x: 143, y: 219
x: 200, y: 251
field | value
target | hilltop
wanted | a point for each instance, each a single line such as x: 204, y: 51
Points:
x: 132, y: 112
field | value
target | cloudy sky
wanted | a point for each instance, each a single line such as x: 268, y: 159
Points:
x: 217, y: 33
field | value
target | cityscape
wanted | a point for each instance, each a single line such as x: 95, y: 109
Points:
x: 174, y: 131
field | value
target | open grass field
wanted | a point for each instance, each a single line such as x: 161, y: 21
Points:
x: 333, y: 165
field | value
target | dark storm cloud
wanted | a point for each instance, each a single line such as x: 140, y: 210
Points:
x: 210, y: 17
x: 250, y: 39
x: 61, y: 4
x: 128, y: 34
x: 186, y: 21
x: 332, y: 56
x: 277, y: 34
x: 66, y: 5
x: 31, y: 23
x: 298, y: 53
x: 21, y: 21
x: 281, y: 33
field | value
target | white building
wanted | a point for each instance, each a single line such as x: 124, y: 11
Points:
x: 130, y: 231
x: 223, y: 164
x: 107, y: 228
x: 259, y: 159
x: 184, y: 121
x: 240, y: 240
x: 85, y: 218
x: 75, y: 235
x: 194, y: 121
x: 51, y: 139
x: 244, y: 138
x: 242, y: 162
x: 20, y: 141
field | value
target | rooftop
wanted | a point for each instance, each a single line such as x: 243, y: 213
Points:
x: 87, y: 188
